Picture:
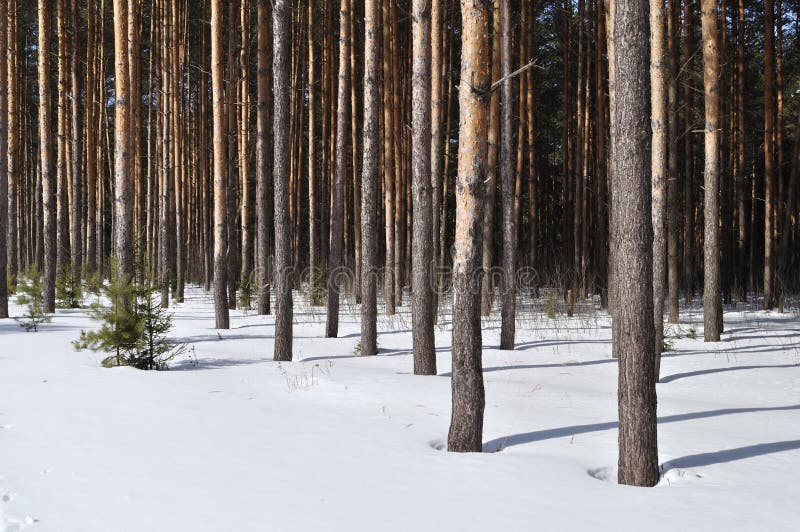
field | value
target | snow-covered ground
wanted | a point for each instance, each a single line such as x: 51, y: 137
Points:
x: 229, y: 440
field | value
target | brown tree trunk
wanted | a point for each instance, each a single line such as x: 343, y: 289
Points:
x: 222, y: 317
x: 47, y: 162
x: 487, y: 241
x: 673, y: 275
x: 3, y: 157
x: 711, y: 268
x: 632, y: 242
x: 281, y: 31
x: 263, y: 169
x: 369, y: 182
x: 658, y: 169
x: 466, y: 424
x: 312, y: 155
x: 437, y: 138
x: 390, y: 269
x: 422, y: 302
x: 769, y: 149
x: 688, y: 154
x: 123, y: 180
x: 508, y: 185
x: 337, y: 211
x: 14, y: 245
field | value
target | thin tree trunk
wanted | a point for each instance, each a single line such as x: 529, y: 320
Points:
x: 673, y: 275
x: 222, y: 317
x: 711, y: 268
x: 658, y: 169
x: 47, y: 162
x: 390, y: 269
x: 4, y: 130
x: 283, y: 243
x: 123, y: 181
x: 769, y: 149
x: 263, y: 170
x: 508, y: 186
x: 466, y: 424
x: 337, y: 210
x: 487, y: 242
x: 369, y: 182
x: 422, y: 301
x: 632, y: 241
x: 15, y: 117
x: 688, y: 154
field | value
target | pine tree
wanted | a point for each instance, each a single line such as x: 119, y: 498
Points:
x: 31, y: 295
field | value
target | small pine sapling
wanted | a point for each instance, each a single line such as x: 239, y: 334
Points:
x: 247, y: 290
x: 122, y: 328
x: 156, y: 349
x: 68, y: 289
x: 31, y: 297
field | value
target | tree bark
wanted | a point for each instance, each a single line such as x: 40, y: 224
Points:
x: 221, y: 314
x: 47, y: 162
x: 263, y: 175
x: 632, y: 242
x: 658, y: 167
x: 369, y: 181
x: 123, y: 180
x: 422, y: 301
x: 673, y: 237
x: 711, y: 270
x: 769, y: 149
x: 466, y: 424
x: 508, y: 186
x: 337, y: 209
x: 281, y: 30
x: 3, y: 157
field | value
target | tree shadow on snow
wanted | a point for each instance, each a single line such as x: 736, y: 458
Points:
x: 562, y: 432
x: 729, y: 455
x: 677, y: 376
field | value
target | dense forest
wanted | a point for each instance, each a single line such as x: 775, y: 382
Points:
x: 631, y: 154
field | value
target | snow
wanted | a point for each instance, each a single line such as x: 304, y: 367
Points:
x: 230, y: 440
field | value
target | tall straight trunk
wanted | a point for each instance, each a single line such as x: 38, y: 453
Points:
x: 244, y: 143
x: 134, y: 52
x: 337, y: 210
x: 76, y: 241
x: 177, y: 124
x: 632, y: 241
x: 437, y: 137
x: 534, y: 189
x: 422, y: 302
x: 312, y: 152
x: 673, y: 275
x: 263, y: 169
x: 62, y: 120
x: 390, y: 269
x: 468, y: 399
x: 123, y: 180
x: 369, y: 181
x: 741, y: 182
x: 47, y: 162
x: 769, y: 149
x: 231, y: 121
x: 281, y: 31
x: 356, y: 147
x: 658, y: 168
x: 3, y: 157
x: 712, y: 281
x: 221, y: 314
x: 688, y: 153
x: 508, y: 185
x: 487, y: 241
x: 14, y: 245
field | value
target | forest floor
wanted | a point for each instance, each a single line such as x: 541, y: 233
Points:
x: 228, y: 440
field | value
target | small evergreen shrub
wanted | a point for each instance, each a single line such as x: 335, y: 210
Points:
x: 68, y: 288
x: 31, y: 296
x: 134, y: 326
x: 246, y: 292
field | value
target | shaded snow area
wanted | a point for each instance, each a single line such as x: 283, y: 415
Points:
x: 228, y: 440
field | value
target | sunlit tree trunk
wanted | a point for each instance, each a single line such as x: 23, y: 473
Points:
x: 466, y: 424
x: 632, y: 243
x: 711, y: 268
